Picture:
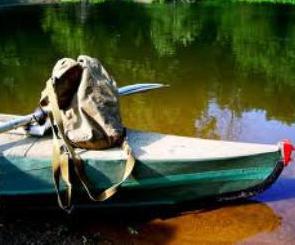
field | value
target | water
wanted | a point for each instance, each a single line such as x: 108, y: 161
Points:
x: 230, y: 67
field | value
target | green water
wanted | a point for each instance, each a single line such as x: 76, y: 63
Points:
x: 231, y: 66
x: 231, y: 70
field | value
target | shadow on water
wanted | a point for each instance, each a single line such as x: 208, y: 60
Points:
x: 227, y: 224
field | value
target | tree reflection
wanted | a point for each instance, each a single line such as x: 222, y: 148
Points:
x: 239, y: 55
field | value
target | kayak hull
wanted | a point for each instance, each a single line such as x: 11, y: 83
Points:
x: 166, y: 173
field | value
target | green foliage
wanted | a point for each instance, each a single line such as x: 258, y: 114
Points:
x: 172, y: 26
x: 239, y: 55
x: 256, y: 44
x: 69, y: 35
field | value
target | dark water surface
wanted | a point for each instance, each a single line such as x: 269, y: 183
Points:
x: 231, y: 67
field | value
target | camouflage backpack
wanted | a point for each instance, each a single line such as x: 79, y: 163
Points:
x: 83, y: 106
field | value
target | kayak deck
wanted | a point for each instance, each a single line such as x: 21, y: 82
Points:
x: 146, y: 146
x: 169, y: 169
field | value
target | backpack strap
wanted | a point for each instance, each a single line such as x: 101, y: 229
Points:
x: 63, y: 151
x: 60, y: 168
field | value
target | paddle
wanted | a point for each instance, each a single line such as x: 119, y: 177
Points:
x: 39, y: 115
x: 139, y: 88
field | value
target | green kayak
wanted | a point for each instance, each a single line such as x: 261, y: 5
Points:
x: 169, y: 169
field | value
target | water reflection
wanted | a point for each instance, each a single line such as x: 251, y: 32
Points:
x: 226, y: 124
x: 236, y: 58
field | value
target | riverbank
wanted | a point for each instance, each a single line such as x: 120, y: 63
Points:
x: 223, y: 225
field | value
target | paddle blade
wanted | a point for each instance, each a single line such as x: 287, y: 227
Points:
x: 139, y: 88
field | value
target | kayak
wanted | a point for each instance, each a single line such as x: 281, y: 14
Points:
x: 169, y: 169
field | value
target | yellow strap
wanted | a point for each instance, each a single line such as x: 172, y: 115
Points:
x: 130, y: 163
x: 61, y: 166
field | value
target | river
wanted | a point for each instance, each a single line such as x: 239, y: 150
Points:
x: 231, y: 70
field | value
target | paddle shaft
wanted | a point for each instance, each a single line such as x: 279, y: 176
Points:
x: 40, y: 114
x: 23, y: 120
